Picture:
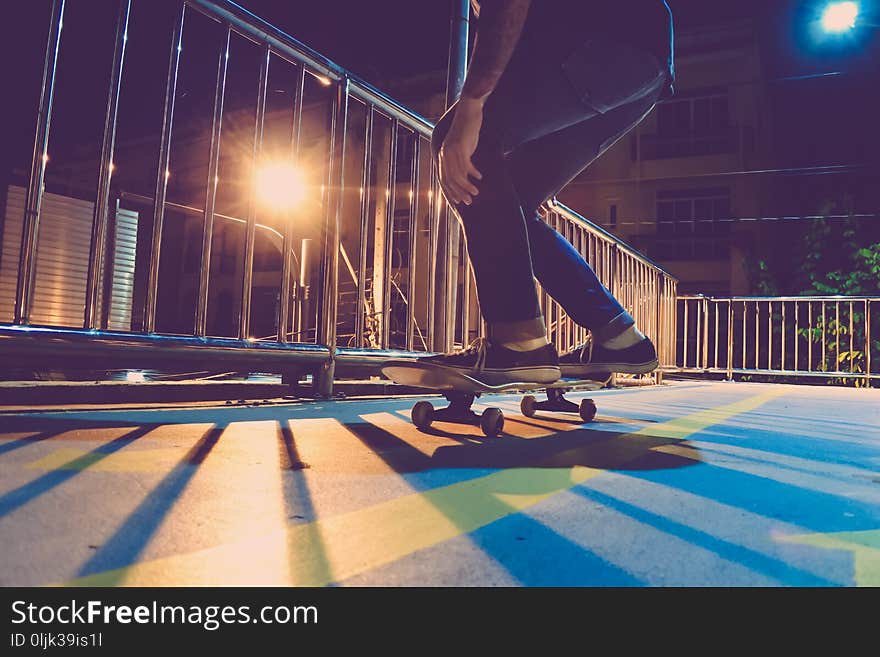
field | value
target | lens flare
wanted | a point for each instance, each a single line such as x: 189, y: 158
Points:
x: 280, y: 185
x: 840, y: 16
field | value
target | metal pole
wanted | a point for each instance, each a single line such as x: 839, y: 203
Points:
x: 391, y: 201
x: 162, y: 172
x: 244, y: 323
x: 455, y: 76
x: 851, y: 347
x: 211, y: 196
x: 27, y: 262
x: 105, y: 170
x: 436, y: 201
x: 458, y: 49
x: 413, y: 231
x: 868, y: 340
x: 287, y: 240
x: 729, y: 339
x: 684, y: 359
x: 330, y: 285
x: 365, y: 206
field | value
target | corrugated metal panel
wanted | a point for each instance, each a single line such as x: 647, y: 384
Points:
x: 62, y: 261
x: 122, y: 285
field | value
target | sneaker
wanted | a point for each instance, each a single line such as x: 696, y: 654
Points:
x: 495, y: 365
x: 590, y: 358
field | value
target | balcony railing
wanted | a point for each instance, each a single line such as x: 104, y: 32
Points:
x: 833, y: 337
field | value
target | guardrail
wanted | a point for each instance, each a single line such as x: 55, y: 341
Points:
x: 814, y: 336
x: 382, y: 218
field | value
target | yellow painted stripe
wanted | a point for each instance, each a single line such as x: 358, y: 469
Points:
x: 141, y: 460
x: 864, y: 545
x: 360, y: 541
x: 681, y: 428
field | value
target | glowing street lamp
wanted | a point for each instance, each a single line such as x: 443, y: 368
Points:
x: 280, y: 185
x: 839, y: 17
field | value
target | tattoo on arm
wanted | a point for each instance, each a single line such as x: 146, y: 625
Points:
x: 501, y: 24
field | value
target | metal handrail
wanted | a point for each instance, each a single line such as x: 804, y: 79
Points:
x: 830, y: 336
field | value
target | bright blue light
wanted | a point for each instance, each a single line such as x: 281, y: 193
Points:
x: 840, y: 16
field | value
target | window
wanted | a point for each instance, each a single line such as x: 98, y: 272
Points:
x: 693, y: 224
x: 696, y: 124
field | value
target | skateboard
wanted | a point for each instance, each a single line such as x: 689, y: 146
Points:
x: 461, y: 390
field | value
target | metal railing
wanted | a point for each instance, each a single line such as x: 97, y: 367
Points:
x: 385, y: 200
x: 812, y: 336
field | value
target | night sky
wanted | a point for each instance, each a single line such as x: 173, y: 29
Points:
x: 379, y: 41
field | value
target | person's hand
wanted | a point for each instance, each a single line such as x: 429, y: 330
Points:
x: 458, y: 149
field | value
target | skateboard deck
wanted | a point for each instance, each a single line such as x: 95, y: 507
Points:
x: 435, y: 378
x: 461, y: 390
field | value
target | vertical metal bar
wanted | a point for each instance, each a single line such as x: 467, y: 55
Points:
x: 851, y: 359
x: 436, y: 200
x: 27, y: 261
x: 466, y: 298
x: 757, y: 332
x: 744, y: 333
x: 211, y: 196
x: 366, y: 182
x: 162, y: 173
x: 458, y: 49
x: 769, y: 335
x: 730, y: 339
x: 867, y: 339
x: 287, y: 240
x: 391, y: 193
x: 715, y: 305
x: 415, y: 170
x: 450, y: 286
x: 105, y: 170
x: 782, y: 364
x: 810, y: 336
x: 686, y: 336
x: 824, y: 349
x: 330, y: 284
x: 837, y: 336
x: 796, y: 341
x: 244, y: 319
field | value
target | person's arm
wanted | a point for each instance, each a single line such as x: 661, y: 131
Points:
x: 501, y: 24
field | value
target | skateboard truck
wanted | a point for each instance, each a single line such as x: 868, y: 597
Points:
x: 459, y: 411
x: 556, y: 401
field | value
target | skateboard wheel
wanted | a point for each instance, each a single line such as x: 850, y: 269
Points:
x: 422, y: 414
x: 492, y: 422
x: 528, y: 406
x: 587, y: 410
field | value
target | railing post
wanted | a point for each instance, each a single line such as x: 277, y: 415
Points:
x: 244, y: 318
x: 413, y: 244
x: 162, y: 173
x: 730, y: 340
x: 105, y: 170
x: 390, y: 204
x: 868, y: 342
x: 201, y: 320
x: 323, y: 380
x: 287, y: 239
x: 27, y: 261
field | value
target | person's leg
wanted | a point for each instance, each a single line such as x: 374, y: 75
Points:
x: 535, y: 97
x: 542, y: 167
x: 539, y: 169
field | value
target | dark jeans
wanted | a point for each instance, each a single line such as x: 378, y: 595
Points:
x: 557, y: 108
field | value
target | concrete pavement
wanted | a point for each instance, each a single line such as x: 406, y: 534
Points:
x: 686, y: 484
